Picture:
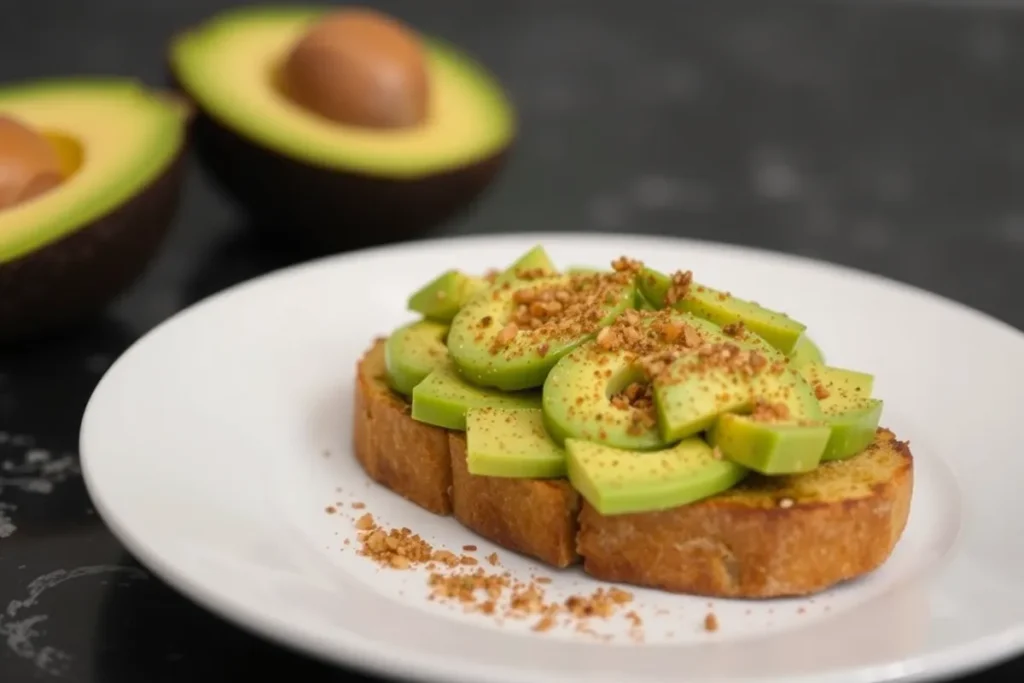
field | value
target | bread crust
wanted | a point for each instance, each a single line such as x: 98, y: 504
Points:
x: 409, y: 457
x: 768, y: 537
x: 535, y: 517
x: 777, y: 537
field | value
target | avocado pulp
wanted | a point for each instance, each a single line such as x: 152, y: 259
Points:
x: 66, y: 253
x: 493, y: 343
x: 645, y: 408
x: 230, y: 63
x: 323, y: 184
x: 617, y: 482
x: 721, y: 308
x: 509, y: 442
x: 412, y: 352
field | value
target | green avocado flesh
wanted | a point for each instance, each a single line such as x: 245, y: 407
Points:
x: 441, y: 298
x: 770, y: 448
x: 619, y: 482
x: 805, y: 351
x: 412, y: 352
x: 534, y: 262
x: 577, y: 401
x: 848, y: 408
x: 477, y: 342
x: 723, y: 309
x: 444, y: 398
x: 229, y: 65
x: 665, y: 407
x: 114, y: 137
x: 503, y: 442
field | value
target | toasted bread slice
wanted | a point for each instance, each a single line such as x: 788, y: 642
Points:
x: 408, y: 457
x: 535, y: 517
x: 769, y: 536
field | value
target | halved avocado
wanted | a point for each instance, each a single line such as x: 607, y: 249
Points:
x: 66, y: 253
x: 328, y: 185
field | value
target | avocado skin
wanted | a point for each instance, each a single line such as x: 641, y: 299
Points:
x: 73, y: 278
x: 327, y: 211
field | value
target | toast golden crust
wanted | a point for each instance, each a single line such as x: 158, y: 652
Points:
x: 408, y: 457
x: 767, y: 537
x: 535, y: 517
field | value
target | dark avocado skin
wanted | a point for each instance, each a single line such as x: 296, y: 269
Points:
x: 67, y: 281
x: 327, y: 211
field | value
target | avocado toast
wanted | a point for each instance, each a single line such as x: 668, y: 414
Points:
x: 660, y: 432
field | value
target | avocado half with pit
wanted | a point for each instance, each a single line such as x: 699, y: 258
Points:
x: 68, y: 251
x: 329, y: 185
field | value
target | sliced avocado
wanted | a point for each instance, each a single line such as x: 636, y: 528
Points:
x: 723, y: 309
x: 441, y: 298
x: 690, y: 397
x: 412, y: 352
x: 534, y: 262
x: 853, y: 430
x: 837, y: 388
x: 642, y: 304
x: 618, y: 482
x: 583, y: 270
x: 66, y: 253
x: 503, y: 442
x: 805, y: 351
x: 328, y: 184
x: 489, y: 348
x: 444, y: 398
x: 577, y: 401
x: 770, y: 448
x: 845, y: 398
x: 790, y: 443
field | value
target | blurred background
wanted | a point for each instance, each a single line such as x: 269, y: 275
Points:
x: 888, y: 136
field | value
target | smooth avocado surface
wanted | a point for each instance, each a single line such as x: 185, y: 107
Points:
x: 115, y: 138
x: 769, y: 447
x: 444, y: 398
x: 849, y: 409
x: 230, y: 66
x: 619, y: 482
x: 508, y: 442
x: 805, y: 351
x: 412, y: 352
x: 441, y: 298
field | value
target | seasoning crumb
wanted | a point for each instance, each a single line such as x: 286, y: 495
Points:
x: 469, y: 548
x: 330, y: 509
x: 358, y: 506
x: 710, y: 622
x: 460, y: 581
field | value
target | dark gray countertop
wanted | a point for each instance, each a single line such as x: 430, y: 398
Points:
x: 886, y: 136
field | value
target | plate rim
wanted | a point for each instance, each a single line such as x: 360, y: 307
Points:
x: 961, y: 660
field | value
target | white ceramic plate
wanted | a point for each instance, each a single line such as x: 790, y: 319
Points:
x: 213, y: 446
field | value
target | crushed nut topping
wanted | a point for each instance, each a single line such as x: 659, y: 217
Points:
x: 561, y: 309
x: 679, y: 288
x: 459, y: 579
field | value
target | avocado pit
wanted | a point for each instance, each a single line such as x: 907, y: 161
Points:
x: 29, y: 163
x: 359, y: 67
